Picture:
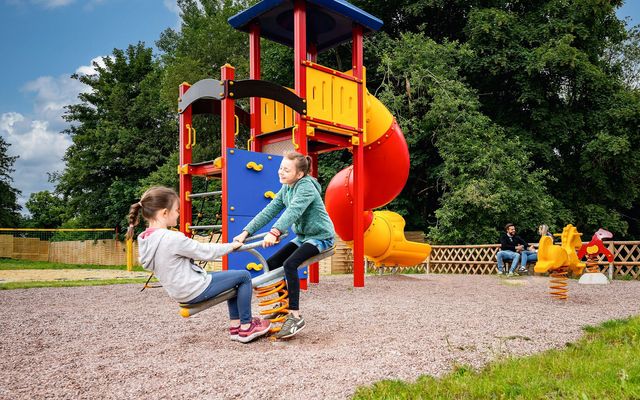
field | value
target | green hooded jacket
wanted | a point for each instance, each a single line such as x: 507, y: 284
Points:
x: 304, y: 210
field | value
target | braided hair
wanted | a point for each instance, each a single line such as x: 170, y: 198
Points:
x: 153, y: 200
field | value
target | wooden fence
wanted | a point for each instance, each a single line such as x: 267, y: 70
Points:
x: 460, y: 259
x: 99, y: 252
x: 481, y: 259
x: 113, y: 252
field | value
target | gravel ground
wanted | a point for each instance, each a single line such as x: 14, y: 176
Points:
x: 115, y: 342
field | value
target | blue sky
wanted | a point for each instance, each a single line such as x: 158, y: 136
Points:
x: 45, y: 41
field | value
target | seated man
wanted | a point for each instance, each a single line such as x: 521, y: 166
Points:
x: 511, y: 248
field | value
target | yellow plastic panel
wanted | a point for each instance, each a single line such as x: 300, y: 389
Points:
x: 332, y: 98
x: 345, y: 102
x: 275, y: 115
x: 319, y: 96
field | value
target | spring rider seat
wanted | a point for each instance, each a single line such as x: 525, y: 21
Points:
x: 592, y: 250
x: 559, y: 260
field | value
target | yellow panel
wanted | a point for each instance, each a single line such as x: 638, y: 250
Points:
x: 319, y: 87
x: 332, y: 98
x: 275, y: 115
x: 267, y: 118
x: 345, y: 102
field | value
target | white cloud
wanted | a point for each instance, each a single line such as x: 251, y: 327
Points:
x: 8, y: 120
x: 91, y: 69
x: 40, y: 150
x: 172, y: 5
x: 37, y: 138
x: 52, y: 95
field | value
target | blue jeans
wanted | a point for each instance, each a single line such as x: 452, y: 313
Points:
x: 504, y: 255
x: 321, y: 245
x: 527, y: 256
x: 239, y: 306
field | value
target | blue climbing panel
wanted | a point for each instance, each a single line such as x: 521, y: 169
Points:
x: 252, y: 179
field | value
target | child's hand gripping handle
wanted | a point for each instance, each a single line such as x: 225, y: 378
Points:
x: 256, y: 242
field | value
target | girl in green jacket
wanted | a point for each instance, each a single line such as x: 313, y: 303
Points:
x: 300, y: 197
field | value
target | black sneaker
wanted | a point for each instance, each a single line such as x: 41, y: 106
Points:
x: 291, y: 327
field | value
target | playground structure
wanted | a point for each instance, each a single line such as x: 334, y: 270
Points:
x: 327, y: 110
x: 559, y: 260
x: 592, y: 250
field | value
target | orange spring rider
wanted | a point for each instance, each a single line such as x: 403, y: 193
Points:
x: 558, y: 283
x: 279, y: 289
x: 592, y: 264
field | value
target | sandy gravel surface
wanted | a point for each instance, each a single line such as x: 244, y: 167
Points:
x: 28, y: 275
x: 115, y: 342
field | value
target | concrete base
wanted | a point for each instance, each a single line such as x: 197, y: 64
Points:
x: 593, y: 278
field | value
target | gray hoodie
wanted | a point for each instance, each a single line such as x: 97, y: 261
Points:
x: 170, y: 254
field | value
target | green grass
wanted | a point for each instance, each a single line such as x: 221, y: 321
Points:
x: 9, y: 264
x: 604, y: 364
x: 97, y: 282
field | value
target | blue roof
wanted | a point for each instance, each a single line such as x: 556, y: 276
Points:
x: 329, y: 22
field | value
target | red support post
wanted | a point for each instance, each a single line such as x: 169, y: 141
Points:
x: 254, y: 73
x: 299, y: 57
x: 358, y: 165
x: 300, y: 75
x: 314, y: 269
x: 185, y: 159
x: 228, y: 127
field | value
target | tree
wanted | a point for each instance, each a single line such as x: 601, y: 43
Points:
x: 121, y: 132
x: 543, y: 72
x: 9, y: 207
x: 461, y: 160
x: 47, y: 210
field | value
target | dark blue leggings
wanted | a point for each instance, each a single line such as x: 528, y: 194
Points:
x: 239, y: 306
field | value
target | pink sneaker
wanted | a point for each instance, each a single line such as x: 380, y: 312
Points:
x: 258, y: 327
x: 233, y: 332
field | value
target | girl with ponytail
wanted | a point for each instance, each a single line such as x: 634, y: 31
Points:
x: 170, y: 254
x: 301, y: 199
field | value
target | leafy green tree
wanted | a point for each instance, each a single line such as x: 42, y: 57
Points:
x: 47, y: 210
x: 121, y: 132
x: 472, y: 173
x: 204, y: 43
x: 9, y: 207
x: 544, y: 74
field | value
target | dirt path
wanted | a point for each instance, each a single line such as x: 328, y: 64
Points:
x: 29, y: 275
x: 115, y: 342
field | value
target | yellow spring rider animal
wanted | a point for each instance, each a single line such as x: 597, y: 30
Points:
x: 559, y: 260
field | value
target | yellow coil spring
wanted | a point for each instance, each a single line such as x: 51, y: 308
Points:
x: 558, y: 284
x: 281, y: 296
x: 592, y: 265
